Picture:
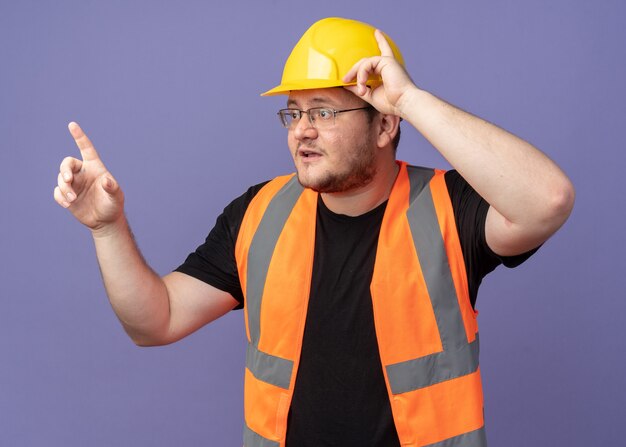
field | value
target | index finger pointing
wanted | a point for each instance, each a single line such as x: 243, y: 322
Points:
x: 383, y: 45
x: 87, y: 151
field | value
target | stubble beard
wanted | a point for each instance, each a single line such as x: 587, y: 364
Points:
x: 360, y: 172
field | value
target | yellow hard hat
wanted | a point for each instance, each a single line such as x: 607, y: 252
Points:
x: 326, y: 52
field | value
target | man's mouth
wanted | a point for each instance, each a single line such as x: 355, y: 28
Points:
x: 309, y: 154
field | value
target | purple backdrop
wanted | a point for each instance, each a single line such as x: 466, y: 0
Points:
x: 169, y: 93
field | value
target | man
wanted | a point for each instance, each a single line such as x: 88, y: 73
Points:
x: 359, y: 274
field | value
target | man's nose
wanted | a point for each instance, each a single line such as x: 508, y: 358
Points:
x: 304, y: 128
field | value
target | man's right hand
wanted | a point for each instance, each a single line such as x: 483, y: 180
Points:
x: 87, y: 188
x: 153, y: 310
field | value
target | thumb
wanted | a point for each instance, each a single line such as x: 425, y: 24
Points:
x: 364, y: 93
x: 109, y: 185
x: 352, y: 88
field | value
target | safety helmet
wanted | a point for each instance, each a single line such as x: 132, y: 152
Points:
x: 326, y: 52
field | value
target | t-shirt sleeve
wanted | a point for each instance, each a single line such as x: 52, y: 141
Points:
x: 470, y: 213
x: 214, y: 261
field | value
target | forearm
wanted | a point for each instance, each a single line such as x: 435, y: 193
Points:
x: 137, y: 294
x: 515, y: 178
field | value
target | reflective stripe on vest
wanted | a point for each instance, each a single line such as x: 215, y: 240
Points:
x: 470, y: 439
x: 253, y: 439
x: 425, y: 325
x: 280, y: 219
x: 458, y: 358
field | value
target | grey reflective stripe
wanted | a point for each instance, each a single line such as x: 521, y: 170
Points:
x: 253, y: 439
x: 434, y: 368
x: 431, y: 252
x: 458, y: 357
x: 268, y: 368
x: 418, y: 179
x: 262, y: 248
x: 476, y: 438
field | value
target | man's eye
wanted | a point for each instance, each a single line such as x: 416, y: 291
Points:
x: 294, y: 114
x: 325, y: 114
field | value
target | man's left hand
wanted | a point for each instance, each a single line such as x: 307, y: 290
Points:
x: 389, y: 97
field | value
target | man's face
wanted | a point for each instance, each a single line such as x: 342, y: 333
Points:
x: 338, y: 158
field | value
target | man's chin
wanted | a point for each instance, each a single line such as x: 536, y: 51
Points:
x: 316, y: 184
x: 325, y: 181
x: 306, y: 183
x: 330, y: 185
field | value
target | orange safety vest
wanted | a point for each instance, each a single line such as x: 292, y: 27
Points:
x: 425, y: 324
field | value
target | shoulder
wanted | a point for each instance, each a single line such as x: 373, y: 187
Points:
x: 455, y: 184
x: 458, y: 186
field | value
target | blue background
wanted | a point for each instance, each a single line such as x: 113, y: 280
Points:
x: 169, y: 94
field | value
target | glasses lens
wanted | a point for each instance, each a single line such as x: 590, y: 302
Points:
x: 322, y: 117
x: 289, y: 117
x: 319, y: 117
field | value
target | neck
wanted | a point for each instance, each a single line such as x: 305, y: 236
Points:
x: 360, y: 201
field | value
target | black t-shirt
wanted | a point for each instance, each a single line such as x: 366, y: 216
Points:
x: 340, y: 398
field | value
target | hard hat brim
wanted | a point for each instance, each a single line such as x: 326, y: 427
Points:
x: 310, y: 84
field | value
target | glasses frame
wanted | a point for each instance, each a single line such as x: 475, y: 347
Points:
x: 287, y: 125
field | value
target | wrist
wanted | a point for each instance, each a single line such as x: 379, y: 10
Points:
x: 106, y: 230
x: 409, y: 102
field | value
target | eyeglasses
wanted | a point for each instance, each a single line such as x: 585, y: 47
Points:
x: 319, y: 117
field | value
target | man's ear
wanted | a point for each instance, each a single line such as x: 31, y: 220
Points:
x: 388, y: 129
